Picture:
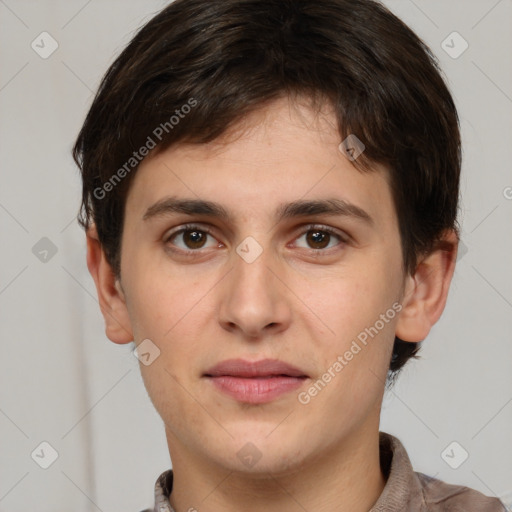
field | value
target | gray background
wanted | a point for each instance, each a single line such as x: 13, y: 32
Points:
x: 63, y: 382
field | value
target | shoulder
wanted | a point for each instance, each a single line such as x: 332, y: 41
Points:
x: 407, y: 490
x: 440, y: 496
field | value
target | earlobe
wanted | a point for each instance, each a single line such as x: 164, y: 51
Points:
x: 426, y: 291
x: 111, y: 297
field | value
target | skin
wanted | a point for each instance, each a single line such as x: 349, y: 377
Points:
x: 297, y: 302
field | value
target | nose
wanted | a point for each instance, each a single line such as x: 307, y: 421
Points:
x: 254, y: 299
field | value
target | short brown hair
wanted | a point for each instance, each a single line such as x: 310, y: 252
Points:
x: 230, y: 57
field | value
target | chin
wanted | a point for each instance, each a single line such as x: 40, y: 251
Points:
x: 257, y: 453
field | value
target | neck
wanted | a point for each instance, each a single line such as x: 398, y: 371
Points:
x: 343, y: 477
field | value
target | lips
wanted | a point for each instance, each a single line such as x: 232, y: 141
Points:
x: 255, y: 382
x: 253, y: 369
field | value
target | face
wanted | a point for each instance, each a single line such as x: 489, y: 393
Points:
x: 268, y: 271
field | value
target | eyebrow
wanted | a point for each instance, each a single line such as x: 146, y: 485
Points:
x: 299, y: 208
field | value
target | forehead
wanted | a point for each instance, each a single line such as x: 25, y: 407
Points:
x: 279, y: 154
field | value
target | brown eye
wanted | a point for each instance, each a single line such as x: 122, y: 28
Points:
x: 194, y: 239
x: 318, y: 239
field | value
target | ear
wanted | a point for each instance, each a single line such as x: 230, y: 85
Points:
x: 426, y: 291
x: 110, y: 294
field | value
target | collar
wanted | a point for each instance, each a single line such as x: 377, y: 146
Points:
x: 405, y: 490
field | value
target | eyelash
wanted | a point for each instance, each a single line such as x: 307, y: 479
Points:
x: 310, y: 227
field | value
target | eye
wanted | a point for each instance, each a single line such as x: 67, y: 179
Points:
x: 319, y: 238
x: 191, y: 238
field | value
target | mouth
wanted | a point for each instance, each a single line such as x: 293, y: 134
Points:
x: 255, y: 382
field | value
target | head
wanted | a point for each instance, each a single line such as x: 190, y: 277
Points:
x: 234, y: 118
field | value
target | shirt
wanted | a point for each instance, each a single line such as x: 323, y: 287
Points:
x: 405, y: 490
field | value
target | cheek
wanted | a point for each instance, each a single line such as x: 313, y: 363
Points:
x: 359, y: 310
x: 172, y: 398
x: 160, y: 301
x: 349, y: 304
x: 355, y: 359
